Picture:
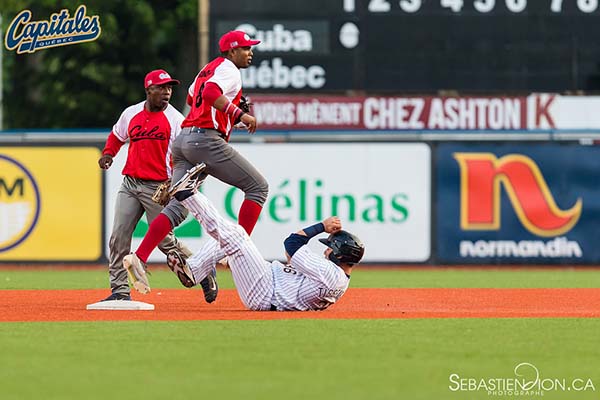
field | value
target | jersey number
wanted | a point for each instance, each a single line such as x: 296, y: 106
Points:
x: 199, y: 97
x: 288, y: 269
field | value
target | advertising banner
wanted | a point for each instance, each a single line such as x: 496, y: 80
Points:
x: 50, y: 204
x: 537, y: 112
x: 517, y: 203
x: 563, y: 113
x: 391, y: 113
x: 380, y: 191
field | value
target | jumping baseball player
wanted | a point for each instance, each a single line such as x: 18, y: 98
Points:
x: 214, y: 97
x: 151, y: 126
x: 309, y: 282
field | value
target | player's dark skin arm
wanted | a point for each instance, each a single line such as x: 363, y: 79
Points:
x: 220, y: 104
x: 242, y: 58
x: 105, y: 161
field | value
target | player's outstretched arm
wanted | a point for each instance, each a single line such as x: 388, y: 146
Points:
x: 105, y: 161
x: 332, y: 224
x: 111, y: 148
x: 300, y: 238
x: 221, y: 103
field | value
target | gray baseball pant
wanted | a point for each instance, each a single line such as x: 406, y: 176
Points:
x: 133, y: 199
x: 194, y: 145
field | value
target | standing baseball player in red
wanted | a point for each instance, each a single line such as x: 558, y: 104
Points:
x: 151, y: 127
x: 214, y: 97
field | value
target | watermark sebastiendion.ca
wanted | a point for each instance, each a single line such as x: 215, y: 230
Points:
x: 527, y: 382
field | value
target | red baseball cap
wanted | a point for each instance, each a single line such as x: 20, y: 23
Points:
x: 235, y: 39
x: 159, y: 77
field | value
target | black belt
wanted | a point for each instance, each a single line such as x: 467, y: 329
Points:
x: 273, y: 308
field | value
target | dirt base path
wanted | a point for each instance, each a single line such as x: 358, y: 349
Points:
x: 182, y: 304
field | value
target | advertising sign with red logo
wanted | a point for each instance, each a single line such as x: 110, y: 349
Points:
x: 536, y: 113
x: 526, y: 203
x: 391, y: 113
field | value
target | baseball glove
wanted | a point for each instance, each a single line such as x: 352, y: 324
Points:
x: 245, y: 107
x: 245, y: 104
x: 161, y: 194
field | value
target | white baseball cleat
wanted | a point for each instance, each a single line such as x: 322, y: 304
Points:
x: 136, y: 270
x: 189, y: 182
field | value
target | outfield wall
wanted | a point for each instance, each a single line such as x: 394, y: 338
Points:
x: 426, y: 202
x: 381, y: 190
x: 51, y: 206
x: 535, y: 203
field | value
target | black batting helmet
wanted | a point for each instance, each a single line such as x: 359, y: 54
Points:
x: 347, y: 248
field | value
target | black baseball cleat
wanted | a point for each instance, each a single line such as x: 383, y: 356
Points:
x: 188, y: 184
x: 118, y: 296
x: 210, y: 286
x: 178, y: 265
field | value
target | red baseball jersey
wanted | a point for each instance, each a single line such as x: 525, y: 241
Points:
x: 150, y: 135
x: 227, y: 76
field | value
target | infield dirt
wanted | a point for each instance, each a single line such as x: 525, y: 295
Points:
x: 182, y: 304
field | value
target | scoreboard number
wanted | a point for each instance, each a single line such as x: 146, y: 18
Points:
x: 379, y: 6
x: 454, y: 5
x: 486, y: 6
x: 587, y: 6
x: 482, y: 6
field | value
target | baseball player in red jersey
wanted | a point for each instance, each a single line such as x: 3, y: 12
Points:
x: 308, y: 282
x: 151, y: 127
x: 214, y: 98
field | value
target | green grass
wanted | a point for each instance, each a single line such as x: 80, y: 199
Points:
x: 295, y: 359
x: 97, y: 278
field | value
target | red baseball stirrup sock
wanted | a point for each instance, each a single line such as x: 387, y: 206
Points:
x: 249, y: 212
x: 157, y: 231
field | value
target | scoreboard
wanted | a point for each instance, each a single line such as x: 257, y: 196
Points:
x: 417, y: 46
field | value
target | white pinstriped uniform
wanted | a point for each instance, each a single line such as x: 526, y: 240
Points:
x: 311, y: 282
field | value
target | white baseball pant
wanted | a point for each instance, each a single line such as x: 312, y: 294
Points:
x: 252, y: 274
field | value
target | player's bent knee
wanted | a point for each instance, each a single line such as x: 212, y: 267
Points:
x: 175, y: 212
x: 240, y: 232
x: 259, y: 193
x: 264, y: 192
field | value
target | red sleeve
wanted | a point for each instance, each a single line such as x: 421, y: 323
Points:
x: 189, y: 100
x: 211, y: 92
x: 113, y: 144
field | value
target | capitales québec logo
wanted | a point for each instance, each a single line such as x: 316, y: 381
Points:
x: 527, y: 381
x: 27, y: 35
